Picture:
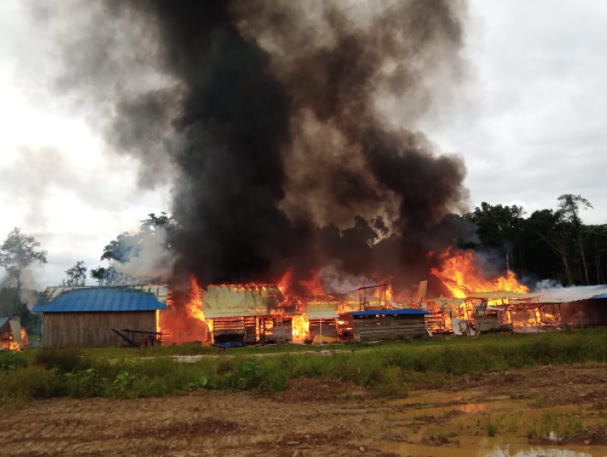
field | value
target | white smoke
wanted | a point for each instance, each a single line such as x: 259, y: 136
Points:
x: 151, y: 261
x: 336, y: 281
x: 551, y: 291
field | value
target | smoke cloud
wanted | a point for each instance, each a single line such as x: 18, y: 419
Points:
x: 288, y: 129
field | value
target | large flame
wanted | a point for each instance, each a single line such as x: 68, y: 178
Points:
x: 460, y: 274
x: 184, y: 321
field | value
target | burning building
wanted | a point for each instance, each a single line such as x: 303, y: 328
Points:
x: 12, y: 336
x: 239, y: 314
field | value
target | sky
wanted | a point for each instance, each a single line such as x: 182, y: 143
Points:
x: 528, y: 123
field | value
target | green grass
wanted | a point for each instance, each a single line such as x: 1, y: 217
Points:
x: 390, y: 369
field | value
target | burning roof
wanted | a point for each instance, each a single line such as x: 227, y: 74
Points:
x: 231, y: 300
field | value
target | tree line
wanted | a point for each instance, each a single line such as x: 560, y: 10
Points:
x: 549, y: 244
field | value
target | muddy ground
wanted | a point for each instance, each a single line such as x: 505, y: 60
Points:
x: 489, y: 414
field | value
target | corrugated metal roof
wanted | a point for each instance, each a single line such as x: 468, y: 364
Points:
x: 234, y: 300
x: 572, y: 293
x: 389, y: 312
x: 322, y: 308
x: 99, y: 299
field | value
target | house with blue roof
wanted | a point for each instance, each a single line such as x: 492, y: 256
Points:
x: 98, y: 316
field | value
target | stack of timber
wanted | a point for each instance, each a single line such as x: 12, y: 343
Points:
x: 389, y: 325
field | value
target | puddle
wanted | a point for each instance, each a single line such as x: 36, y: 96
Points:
x: 538, y: 451
x: 484, y: 449
x: 447, y: 424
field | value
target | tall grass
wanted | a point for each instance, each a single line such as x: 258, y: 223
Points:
x: 388, y: 369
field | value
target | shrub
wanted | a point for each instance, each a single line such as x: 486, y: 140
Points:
x: 64, y: 360
x: 10, y: 360
x: 31, y: 382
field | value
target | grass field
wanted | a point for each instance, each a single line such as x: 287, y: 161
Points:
x: 390, y: 368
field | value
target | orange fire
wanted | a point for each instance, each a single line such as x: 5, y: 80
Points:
x: 301, y: 328
x: 185, y: 322
x: 460, y: 274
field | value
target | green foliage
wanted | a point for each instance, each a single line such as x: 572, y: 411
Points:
x: 491, y: 427
x: 31, y: 382
x: 247, y: 375
x: 550, y: 244
x: 76, y: 275
x: 555, y: 428
x: 84, y: 383
x: 18, y: 252
x: 63, y: 360
x: 10, y: 360
x: 387, y: 369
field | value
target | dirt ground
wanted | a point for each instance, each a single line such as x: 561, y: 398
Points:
x: 478, y: 415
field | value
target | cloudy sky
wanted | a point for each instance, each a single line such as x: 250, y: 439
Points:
x: 529, y: 125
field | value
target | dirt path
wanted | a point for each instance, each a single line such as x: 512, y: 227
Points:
x: 314, y: 418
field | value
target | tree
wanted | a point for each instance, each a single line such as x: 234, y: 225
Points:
x: 568, y: 211
x: 76, y: 275
x: 17, y: 253
x: 499, y: 227
x: 106, y: 276
x: 544, y: 241
x: 155, y: 230
x: 595, y: 237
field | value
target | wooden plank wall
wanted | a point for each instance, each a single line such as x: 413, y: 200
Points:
x: 388, y: 328
x: 92, y: 329
x: 329, y: 328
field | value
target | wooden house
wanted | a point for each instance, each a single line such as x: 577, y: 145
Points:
x: 90, y: 316
x: 247, y: 314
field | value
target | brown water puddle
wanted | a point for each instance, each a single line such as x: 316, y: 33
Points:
x: 457, y: 424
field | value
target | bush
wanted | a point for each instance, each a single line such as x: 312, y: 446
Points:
x: 31, y: 382
x: 10, y: 360
x: 63, y: 360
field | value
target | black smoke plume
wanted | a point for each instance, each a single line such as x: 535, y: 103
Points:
x: 289, y: 130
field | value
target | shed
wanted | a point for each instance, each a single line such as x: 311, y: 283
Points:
x: 85, y: 316
x: 247, y: 314
x: 388, y: 324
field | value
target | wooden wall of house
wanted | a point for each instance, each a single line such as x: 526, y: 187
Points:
x: 326, y: 327
x: 92, y: 329
x: 383, y: 328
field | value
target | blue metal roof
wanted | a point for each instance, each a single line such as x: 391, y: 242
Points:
x: 3, y: 321
x: 389, y: 312
x: 99, y: 300
x: 596, y: 297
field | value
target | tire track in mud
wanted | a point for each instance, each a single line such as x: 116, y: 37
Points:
x: 313, y: 418
x: 197, y: 425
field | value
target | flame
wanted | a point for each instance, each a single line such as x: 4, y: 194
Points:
x: 313, y: 285
x: 460, y: 274
x: 301, y: 328
x: 184, y: 321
